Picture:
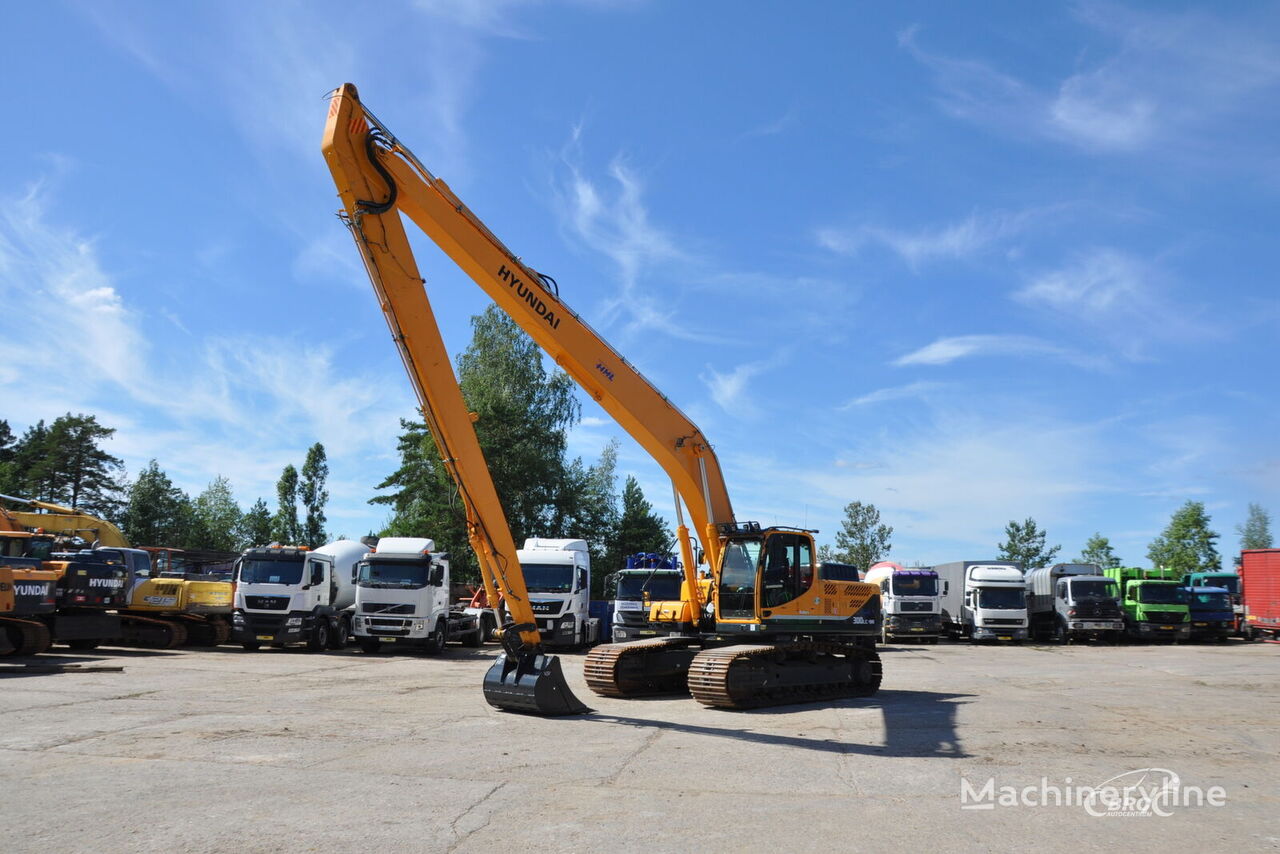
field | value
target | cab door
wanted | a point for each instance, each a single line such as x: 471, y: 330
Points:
x: 319, y: 579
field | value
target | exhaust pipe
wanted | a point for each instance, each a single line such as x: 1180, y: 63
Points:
x: 527, y: 680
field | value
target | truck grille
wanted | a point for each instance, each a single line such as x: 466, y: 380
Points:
x: 545, y: 607
x: 1097, y: 609
x: 386, y: 608
x: 388, y: 626
x: 920, y: 620
x: 266, y: 603
x: 631, y: 618
x: 914, y: 606
x: 1002, y: 622
x: 1166, y: 617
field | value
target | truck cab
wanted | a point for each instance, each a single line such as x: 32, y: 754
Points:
x: 289, y: 594
x: 557, y: 574
x: 1229, y: 580
x: 910, y: 600
x: 1154, y: 607
x: 647, y: 578
x: 1211, y: 614
x: 995, y: 603
x: 402, y: 599
x: 1073, y: 600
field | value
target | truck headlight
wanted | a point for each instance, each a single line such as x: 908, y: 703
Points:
x: 293, y: 621
x: 237, y: 619
x: 419, y: 626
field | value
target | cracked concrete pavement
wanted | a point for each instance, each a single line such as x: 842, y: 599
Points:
x: 224, y: 750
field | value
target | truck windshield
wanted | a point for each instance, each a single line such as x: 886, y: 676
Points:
x: 915, y: 585
x: 661, y: 587
x: 1231, y: 582
x: 1162, y: 594
x: 1093, y: 589
x: 392, y: 573
x: 1002, y: 598
x: 255, y: 571
x: 547, y: 577
x: 1211, y: 601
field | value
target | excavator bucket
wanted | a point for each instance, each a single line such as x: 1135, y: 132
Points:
x: 532, y: 683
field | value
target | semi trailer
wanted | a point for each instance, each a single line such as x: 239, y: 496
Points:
x: 1067, y: 601
x: 402, y: 599
x: 1260, y: 593
x: 984, y: 599
x: 1154, y: 607
x: 291, y: 594
x: 910, y: 601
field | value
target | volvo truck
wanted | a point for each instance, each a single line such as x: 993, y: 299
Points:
x: 984, y: 600
x: 911, y: 602
x: 1070, y: 601
x: 633, y: 592
x: 402, y: 599
x: 1154, y: 607
x: 557, y: 574
x: 290, y: 595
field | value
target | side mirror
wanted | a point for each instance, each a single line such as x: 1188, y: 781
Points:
x: 436, y: 576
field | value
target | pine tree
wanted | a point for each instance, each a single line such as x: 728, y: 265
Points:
x: 862, y: 539
x: 1255, y: 533
x: 639, y: 528
x: 1024, y: 542
x: 312, y: 492
x: 217, y: 517
x: 1186, y: 544
x: 285, y: 528
x: 1097, y: 550
x: 255, y: 526
x: 81, y: 474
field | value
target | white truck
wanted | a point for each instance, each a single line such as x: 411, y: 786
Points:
x: 402, y: 599
x: 910, y: 602
x: 983, y: 599
x: 631, y: 591
x: 557, y: 574
x: 1073, y: 600
x: 289, y: 594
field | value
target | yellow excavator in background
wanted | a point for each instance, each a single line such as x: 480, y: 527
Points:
x: 159, y: 610
x: 769, y: 627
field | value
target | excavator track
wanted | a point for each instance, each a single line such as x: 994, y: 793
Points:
x: 151, y: 633
x: 28, y: 637
x: 752, y: 676
x: 200, y: 632
x: 655, y: 666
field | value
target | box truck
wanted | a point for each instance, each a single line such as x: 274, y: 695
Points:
x: 983, y: 599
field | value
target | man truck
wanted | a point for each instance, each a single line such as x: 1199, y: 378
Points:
x: 402, y: 599
x: 910, y: 602
x: 1067, y: 601
x: 1154, y: 607
x: 290, y: 594
x: 557, y: 574
x: 984, y: 599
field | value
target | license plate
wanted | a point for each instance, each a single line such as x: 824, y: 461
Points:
x: 1167, y: 628
x: 1006, y: 637
x: 387, y: 640
x: 1202, y: 624
x: 917, y: 630
x: 265, y: 637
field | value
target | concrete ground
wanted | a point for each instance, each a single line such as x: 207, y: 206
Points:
x: 224, y: 750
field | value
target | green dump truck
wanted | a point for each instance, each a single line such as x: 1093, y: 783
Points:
x: 1154, y: 604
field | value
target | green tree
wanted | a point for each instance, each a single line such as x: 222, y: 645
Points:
x: 311, y: 489
x: 217, y: 517
x: 1255, y: 532
x: 1024, y: 542
x: 8, y: 443
x: 639, y: 528
x: 32, y: 465
x: 1187, y: 543
x: 156, y: 513
x: 82, y: 474
x: 255, y: 526
x: 285, y: 528
x: 1097, y: 549
x: 592, y: 515
x: 862, y: 539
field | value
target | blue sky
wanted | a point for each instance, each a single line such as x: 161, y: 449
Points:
x: 968, y: 268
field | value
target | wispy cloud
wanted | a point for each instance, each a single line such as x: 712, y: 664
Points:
x: 910, y: 391
x: 731, y: 390
x: 1170, y: 75
x: 1117, y: 295
x: 947, y: 350
x: 962, y: 239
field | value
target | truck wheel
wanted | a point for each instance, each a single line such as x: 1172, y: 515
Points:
x: 1060, y: 634
x: 338, y: 639
x: 487, y: 627
x: 370, y: 645
x: 250, y: 646
x: 474, y: 639
x: 435, y: 641
x: 319, y: 635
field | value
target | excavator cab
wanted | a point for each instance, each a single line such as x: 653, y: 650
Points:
x: 762, y: 570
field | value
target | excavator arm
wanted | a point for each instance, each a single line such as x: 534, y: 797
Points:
x: 65, y: 520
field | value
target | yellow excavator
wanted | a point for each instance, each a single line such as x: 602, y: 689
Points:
x: 159, y: 609
x: 770, y: 625
x: 28, y: 593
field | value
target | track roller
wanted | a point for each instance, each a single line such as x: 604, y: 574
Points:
x: 26, y: 637
x: 750, y: 676
x: 639, y: 668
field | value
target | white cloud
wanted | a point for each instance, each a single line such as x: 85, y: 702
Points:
x: 957, y: 240
x: 729, y: 390
x: 947, y: 350
x: 1167, y: 82
x: 919, y: 389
